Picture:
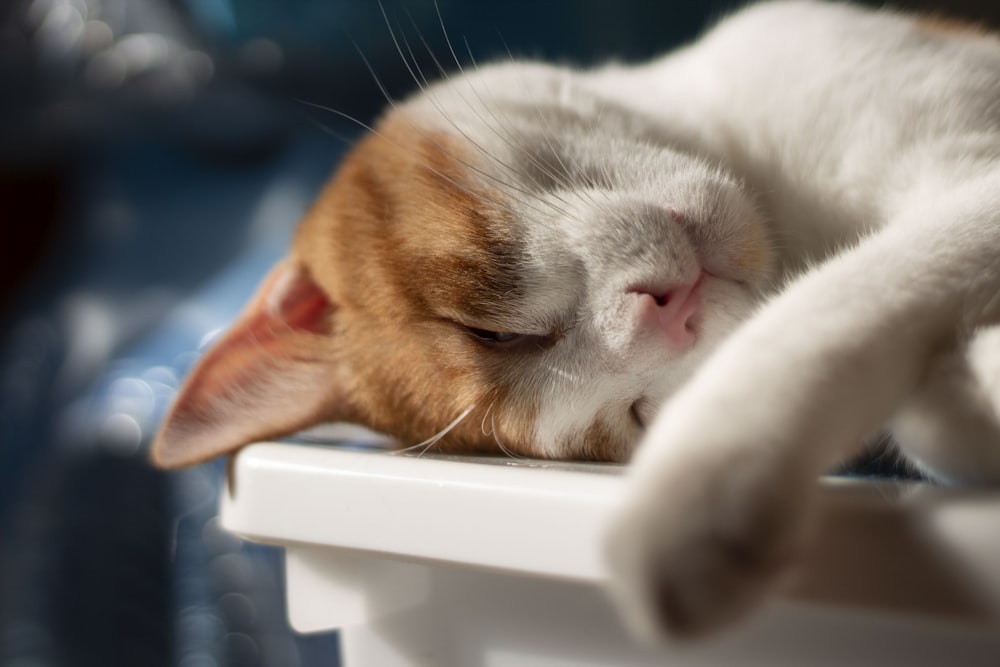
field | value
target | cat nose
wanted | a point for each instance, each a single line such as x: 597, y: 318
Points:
x: 669, y: 312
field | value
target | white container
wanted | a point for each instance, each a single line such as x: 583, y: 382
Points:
x: 445, y: 562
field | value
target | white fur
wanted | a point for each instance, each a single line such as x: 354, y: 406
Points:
x: 864, y: 150
x: 880, y: 140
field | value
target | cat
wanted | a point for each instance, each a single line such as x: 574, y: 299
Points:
x: 728, y: 265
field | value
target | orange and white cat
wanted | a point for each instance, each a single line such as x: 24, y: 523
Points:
x: 728, y: 265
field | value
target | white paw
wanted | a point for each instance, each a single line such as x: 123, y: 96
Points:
x: 705, y: 533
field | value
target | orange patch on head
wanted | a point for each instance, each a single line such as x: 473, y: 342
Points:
x: 412, y: 242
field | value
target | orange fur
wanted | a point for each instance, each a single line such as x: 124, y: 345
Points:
x: 602, y: 442
x: 401, y: 286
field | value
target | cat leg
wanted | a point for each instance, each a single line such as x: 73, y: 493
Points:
x: 950, y: 427
x: 722, y: 485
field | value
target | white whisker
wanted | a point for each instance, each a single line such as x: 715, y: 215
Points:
x: 503, y: 448
x: 487, y: 154
x: 565, y: 375
x: 447, y: 39
x: 493, y: 432
x: 433, y: 440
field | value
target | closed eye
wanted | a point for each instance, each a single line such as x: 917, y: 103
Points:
x: 507, y: 340
x: 498, y: 339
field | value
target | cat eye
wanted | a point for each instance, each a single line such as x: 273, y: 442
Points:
x: 510, y: 341
x: 499, y: 339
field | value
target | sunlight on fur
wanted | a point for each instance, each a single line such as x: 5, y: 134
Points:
x: 729, y: 265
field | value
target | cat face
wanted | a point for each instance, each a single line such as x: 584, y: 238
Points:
x: 507, y: 254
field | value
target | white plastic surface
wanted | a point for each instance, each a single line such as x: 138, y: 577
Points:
x: 543, y: 520
x: 438, y: 561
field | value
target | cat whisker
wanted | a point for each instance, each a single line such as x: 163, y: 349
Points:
x: 336, y: 112
x: 566, y: 181
x: 379, y: 134
x: 447, y: 39
x: 517, y: 143
x: 506, y: 46
x: 441, y: 70
x: 378, y: 80
x: 392, y: 102
x: 496, y: 438
x: 413, y: 56
x: 512, y: 141
x: 482, y: 425
x: 420, y: 79
x: 564, y: 374
x: 422, y: 85
x: 406, y: 63
x: 426, y: 445
x: 417, y: 73
x: 493, y: 432
x: 500, y: 162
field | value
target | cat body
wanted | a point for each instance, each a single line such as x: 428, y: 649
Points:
x: 728, y: 265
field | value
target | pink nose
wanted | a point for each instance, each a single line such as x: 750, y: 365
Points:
x: 670, y: 312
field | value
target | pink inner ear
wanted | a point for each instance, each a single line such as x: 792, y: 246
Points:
x: 261, y: 379
x: 298, y: 302
x: 288, y: 301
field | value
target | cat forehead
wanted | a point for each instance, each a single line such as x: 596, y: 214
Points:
x: 479, y: 194
x: 414, y: 219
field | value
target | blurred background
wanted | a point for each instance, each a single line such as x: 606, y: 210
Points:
x: 155, y: 156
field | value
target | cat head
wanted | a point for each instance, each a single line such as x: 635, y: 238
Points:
x: 507, y: 254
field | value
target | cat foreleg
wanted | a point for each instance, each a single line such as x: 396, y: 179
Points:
x: 719, y: 503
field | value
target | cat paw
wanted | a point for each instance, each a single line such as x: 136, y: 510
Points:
x: 697, y: 546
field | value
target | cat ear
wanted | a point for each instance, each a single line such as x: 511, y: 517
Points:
x: 271, y: 374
